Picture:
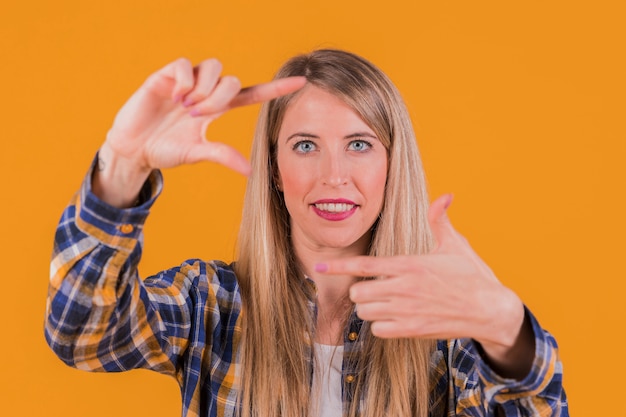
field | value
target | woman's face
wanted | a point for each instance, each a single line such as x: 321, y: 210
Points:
x: 332, y: 170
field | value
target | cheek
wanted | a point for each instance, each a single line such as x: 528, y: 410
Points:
x: 294, y: 180
x: 375, y: 180
x: 291, y: 189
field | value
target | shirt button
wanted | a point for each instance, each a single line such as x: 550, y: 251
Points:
x: 126, y: 228
x: 353, y: 336
x: 350, y: 379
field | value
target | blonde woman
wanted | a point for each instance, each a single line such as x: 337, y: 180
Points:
x: 351, y: 296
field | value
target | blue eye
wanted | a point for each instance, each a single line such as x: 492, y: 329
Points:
x: 304, y: 146
x: 359, y: 145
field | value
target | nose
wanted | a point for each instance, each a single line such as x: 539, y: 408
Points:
x: 334, y: 169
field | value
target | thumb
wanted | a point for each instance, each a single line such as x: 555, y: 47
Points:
x: 221, y: 154
x: 438, y: 219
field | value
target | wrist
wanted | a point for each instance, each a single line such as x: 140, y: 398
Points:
x: 116, y: 180
x: 510, y: 348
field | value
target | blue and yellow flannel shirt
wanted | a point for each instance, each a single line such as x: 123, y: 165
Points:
x: 186, y: 322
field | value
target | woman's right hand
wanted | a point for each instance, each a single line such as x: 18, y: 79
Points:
x: 163, y: 125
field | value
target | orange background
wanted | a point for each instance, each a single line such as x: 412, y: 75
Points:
x: 519, y: 111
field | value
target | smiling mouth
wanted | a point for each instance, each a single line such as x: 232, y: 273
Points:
x: 334, y: 207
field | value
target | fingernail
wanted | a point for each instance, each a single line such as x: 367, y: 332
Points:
x: 195, y: 112
x: 351, y: 294
x: 448, y: 202
x: 321, y: 267
x: 177, y: 98
x: 188, y: 102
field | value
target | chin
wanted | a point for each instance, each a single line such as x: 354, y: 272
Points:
x: 345, y: 243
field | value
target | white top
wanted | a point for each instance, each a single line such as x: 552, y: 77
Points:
x: 326, y: 387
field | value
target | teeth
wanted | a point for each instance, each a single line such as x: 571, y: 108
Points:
x: 335, y: 207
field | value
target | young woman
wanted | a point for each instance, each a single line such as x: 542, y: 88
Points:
x: 350, y: 295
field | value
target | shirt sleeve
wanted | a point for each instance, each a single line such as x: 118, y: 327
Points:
x: 99, y: 314
x: 479, y: 391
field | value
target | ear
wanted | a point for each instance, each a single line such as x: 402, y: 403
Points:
x: 277, y: 179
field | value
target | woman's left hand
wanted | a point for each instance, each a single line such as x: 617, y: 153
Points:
x: 446, y: 294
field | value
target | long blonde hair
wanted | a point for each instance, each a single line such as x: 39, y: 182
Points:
x: 277, y: 325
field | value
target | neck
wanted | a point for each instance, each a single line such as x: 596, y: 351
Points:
x: 330, y: 288
x: 333, y: 303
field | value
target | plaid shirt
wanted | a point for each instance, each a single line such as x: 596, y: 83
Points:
x: 186, y: 322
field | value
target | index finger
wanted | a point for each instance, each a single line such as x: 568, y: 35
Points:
x: 362, y: 266
x: 267, y: 91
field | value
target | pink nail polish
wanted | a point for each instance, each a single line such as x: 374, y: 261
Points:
x: 187, y: 102
x: 448, y: 202
x: 321, y: 267
x: 195, y: 112
x: 177, y: 98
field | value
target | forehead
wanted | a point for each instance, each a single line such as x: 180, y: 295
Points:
x: 316, y: 110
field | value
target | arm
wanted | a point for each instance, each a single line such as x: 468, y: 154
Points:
x: 477, y: 389
x: 100, y: 315
x: 451, y: 294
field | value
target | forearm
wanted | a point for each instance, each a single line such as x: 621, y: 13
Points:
x: 88, y: 280
x: 94, y: 293
x: 539, y: 392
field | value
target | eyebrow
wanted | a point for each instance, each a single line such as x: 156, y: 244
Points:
x: 350, y: 136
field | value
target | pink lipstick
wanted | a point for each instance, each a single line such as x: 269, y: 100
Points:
x: 334, y: 209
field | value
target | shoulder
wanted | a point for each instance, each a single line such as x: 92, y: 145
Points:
x: 196, y: 278
x: 223, y: 272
